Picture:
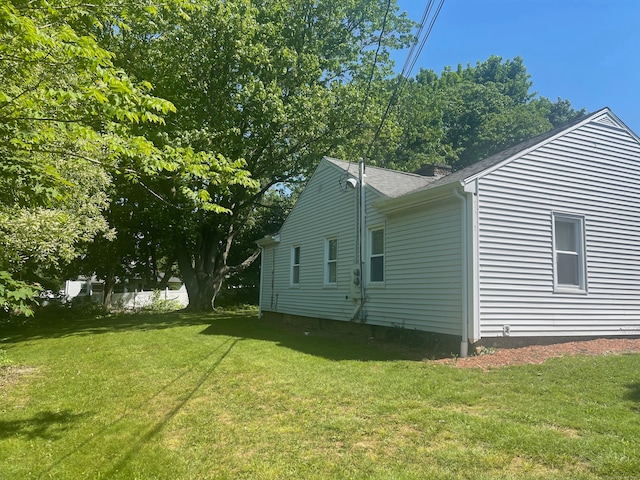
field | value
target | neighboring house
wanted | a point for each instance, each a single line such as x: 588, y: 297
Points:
x: 540, y: 240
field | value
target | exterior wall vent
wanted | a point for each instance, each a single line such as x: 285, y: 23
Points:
x: 606, y: 120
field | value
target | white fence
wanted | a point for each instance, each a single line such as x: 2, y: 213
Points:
x: 134, y: 300
x: 127, y: 300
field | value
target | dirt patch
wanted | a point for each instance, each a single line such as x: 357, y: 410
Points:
x: 11, y: 374
x: 535, y: 354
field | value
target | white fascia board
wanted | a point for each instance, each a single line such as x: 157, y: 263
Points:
x: 417, y: 199
x: 471, y: 186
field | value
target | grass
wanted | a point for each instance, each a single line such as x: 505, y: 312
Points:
x: 226, y: 396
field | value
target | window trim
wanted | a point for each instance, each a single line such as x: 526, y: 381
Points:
x: 328, y: 261
x: 371, y: 255
x: 294, y: 265
x: 579, y: 222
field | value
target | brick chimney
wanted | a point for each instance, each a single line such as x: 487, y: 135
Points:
x: 436, y: 170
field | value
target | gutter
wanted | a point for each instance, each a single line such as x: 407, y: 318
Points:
x: 418, y: 199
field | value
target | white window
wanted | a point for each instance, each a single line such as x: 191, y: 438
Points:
x: 376, y: 255
x: 295, y: 265
x: 568, y: 251
x: 331, y: 261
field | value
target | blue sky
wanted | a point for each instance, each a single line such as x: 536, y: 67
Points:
x: 584, y: 51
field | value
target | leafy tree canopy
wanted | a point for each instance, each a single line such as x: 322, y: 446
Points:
x: 67, y: 124
x: 276, y: 84
x: 462, y: 116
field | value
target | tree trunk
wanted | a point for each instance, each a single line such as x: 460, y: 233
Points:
x: 109, y: 284
x: 198, y: 271
x: 203, y: 270
x: 167, y: 275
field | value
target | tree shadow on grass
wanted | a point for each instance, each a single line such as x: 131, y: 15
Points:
x: 633, y: 394
x: 58, y: 327
x: 207, y: 365
x: 44, y: 425
x: 317, y: 342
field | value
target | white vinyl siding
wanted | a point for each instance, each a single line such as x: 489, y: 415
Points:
x: 267, y: 265
x: 422, y: 265
x: 325, y: 209
x: 592, y: 173
x: 423, y: 270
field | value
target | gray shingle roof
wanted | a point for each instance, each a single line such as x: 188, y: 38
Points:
x: 393, y: 184
x: 390, y: 183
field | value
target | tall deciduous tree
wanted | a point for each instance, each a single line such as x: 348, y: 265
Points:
x: 461, y: 116
x: 276, y: 84
x: 66, y: 126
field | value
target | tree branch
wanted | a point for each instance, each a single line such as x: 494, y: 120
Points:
x: 245, y: 264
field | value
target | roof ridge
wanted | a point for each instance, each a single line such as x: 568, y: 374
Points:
x: 384, y: 169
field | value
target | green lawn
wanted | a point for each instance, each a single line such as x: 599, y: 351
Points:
x: 179, y: 396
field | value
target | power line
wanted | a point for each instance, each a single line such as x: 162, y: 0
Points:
x: 375, y: 60
x: 423, y: 21
x: 412, y: 58
x: 424, y: 40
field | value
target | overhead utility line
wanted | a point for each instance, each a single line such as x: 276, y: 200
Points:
x: 412, y: 58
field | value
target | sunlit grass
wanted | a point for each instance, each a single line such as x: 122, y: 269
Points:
x: 227, y: 396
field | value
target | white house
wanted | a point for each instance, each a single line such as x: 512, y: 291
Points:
x: 540, y: 240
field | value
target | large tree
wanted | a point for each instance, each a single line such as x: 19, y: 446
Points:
x: 67, y: 118
x: 461, y: 116
x: 275, y: 84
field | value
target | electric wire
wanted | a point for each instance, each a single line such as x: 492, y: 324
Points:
x: 365, y: 99
x: 410, y: 54
x: 375, y: 60
x: 410, y: 62
x: 424, y: 40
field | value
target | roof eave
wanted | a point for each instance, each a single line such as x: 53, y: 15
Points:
x: 268, y: 241
x: 416, y: 199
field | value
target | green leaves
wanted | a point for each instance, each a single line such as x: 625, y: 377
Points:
x: 67, y: 120
x: 261, y: 91
x: 462, y: 116
x: 17, y: 297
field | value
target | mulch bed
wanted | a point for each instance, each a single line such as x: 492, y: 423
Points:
x: 535, y: 354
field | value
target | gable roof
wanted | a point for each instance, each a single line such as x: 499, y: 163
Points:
x: 390, y: 183
x: 394, y: 184
x: 603, y: 115
x: 403, y: 189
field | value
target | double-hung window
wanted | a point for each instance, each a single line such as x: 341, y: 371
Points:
x: 376, y: 255
x: 331, y: 261
x: 569, y: 253
x: 295, y: 265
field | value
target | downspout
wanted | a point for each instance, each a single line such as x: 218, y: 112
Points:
x: 261, y: 282
x: 464, y: 343
x: 273, y: 306
x: 363, y: 232
x: 360, y: 243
